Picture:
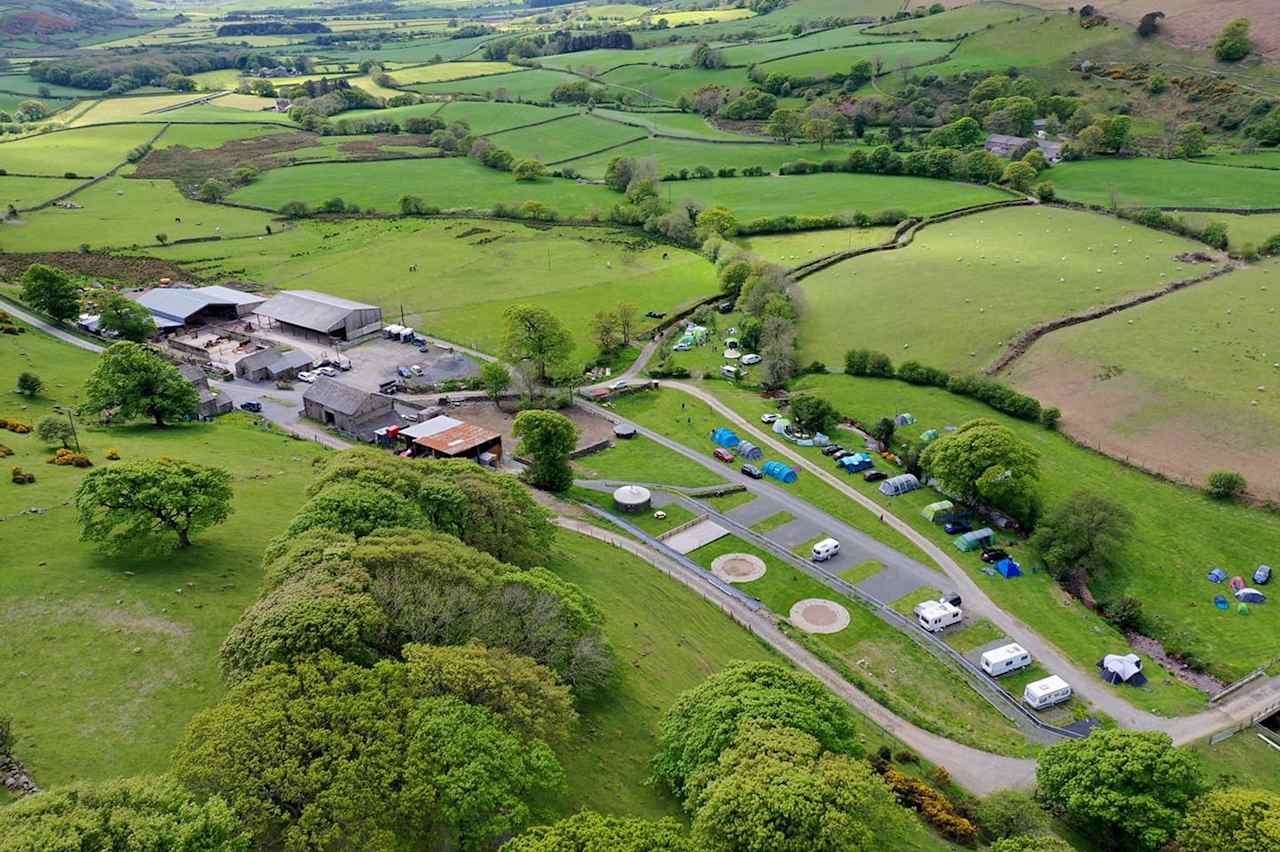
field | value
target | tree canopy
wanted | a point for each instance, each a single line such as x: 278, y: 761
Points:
x: 814, y: 414
x: 1080, y: 534
x: 131, y: 381
x: 1232, y: 820
x: 588, y: 831
x: 123, y: 317
x: 984, y: 461
x: 534, y: 334
x: 546, y: 439
x: 1233, y: 42
x: 1129, y: 787
x: 51, y: 291
x: 131, y: 504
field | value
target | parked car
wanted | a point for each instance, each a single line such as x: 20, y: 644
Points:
x: 618, y: 385
x: 682, y: 347
x: 831, y: 449
x: 331, y: 372
x: 405, y: 372
x: 723, y: 455
x: 751, y: 359
x: 725, y: 307
x: 768, y: 418
x: 874, y: 476
x: 655, y: 314
x: 255, y: 407
x: 839, y: 454
x: 752, y: 471
x: 307, y: 377
x: 423, y: 347
x: 1263, y: 575
x: 956, y: 527
x: 992, y: 555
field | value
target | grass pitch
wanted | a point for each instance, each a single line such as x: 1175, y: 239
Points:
x: 1147, y: 182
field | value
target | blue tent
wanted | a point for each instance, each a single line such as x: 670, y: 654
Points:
x: 779, y: 471
x: 1009, y: 569
x: 749, y: 451
x: 725, y: 438
x: 1220, y: 602
x: 1217, y: 575
x: 1252, y: 596
x: 856, y: 462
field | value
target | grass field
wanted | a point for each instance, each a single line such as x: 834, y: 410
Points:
x: 532, y: 85
x: 230, y: 112
x: 366, y: 82
x: 113, y: 654
x: 223, y: 78
x: 24, y: 192
x: 210, y: 136
x: 1255, y: 160
x: 762, y: 51
x: 574, y: 273
x: 1178, y: 535
x: 954, y: 22
x: 120, y: 213
x: 642, y: 460
x: 675, y: 154
x: 88, y: 152
x: 892, y: 55
x: 975, y: 282
x: 671, y: 124
x: 894, y: 669
x: 1174, y: 384
x: 703, y: 16
x: 1242, y: 229
x: 449, y: 71
x: 668, y: 84
x: 125, y: 109
x: 791, y: 250
x: 448, y: 183
x: 1036, y: 40
x: 592, y: 62
x: 566, y: 139
x: 489, y: 116
x: 1167, y: 183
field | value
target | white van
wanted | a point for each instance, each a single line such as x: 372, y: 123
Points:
x: 729, y: 371
x: 935, y: 615
x: 1047, y: 692
x: 825, y: 549
x: 1005, y: 659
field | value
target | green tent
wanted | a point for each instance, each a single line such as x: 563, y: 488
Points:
x: 937, y: 513
x: 1243, y: 609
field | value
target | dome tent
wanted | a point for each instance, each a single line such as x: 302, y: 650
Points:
x: 726, y: 438
x: 1126, y: 668
x: 749, y: 451
x: 780, y: 472
x: 1252, y: 596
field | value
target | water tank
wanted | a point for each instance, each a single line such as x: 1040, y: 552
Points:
x: 625, y: 431
x: 632, y: 498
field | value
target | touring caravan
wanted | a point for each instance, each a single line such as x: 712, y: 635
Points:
x: 1005, y: 659
x: 935, y: 615
x: 1047, y: 692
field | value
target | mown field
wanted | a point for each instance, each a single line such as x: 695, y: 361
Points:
x: 791, y: 250
x: 1174, y: 384
x: 1243, y: 230
x: 668, y: 84
x: 449, y: 71
x: 532, y: 85
x: 564, y: 140
x: 229, y: 112
x: 573, y: 272
x: 1172, y: 183
x: 675, y: 154
x: 24, y: 192
x: 211, y: 135
x: 88, y: 152
x: 672, y: 124
x: 113, y: 654
x: 126, y: 109
x: 119, y: 213
x: 891, y: 55
x: 1028, y: 43
x: 960, y: 292
x: 954, y: 22
x: 489, y: 117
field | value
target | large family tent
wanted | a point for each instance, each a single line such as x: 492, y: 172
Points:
x: 749, y: 451
x: 855, y: 462
x: 975, y: 540
x: 904, y: 419
x: 938, y: 513
x: 896, y: 485
x: 1217, y: 575
x: 780, y: 472
x: 726, y: 438
x: 1126, y: 668
x: 1008, y: 569
x: 1252, y: 596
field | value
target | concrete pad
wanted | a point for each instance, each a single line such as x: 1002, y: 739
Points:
x: 750, y: 514
x: 794, y: 532
x: 818, y: 615
x: 890, y: 584
x: 738, y: 567
x: 691, y: 538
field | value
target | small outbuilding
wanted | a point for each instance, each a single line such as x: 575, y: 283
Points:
x: 632, y: 499
x: 211, y: 404
x: 898, y: 485
x: 1122, y: 668
x: 346, y: 408
x: 976, y: 540
x: 457, y: 440
x: 272, y: 365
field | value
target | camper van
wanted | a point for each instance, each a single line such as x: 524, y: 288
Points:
x: 729, y: 371
x: 825, y: 549
x: 1005, y: 659
x: 1047, y: 692
x: 935, y: 615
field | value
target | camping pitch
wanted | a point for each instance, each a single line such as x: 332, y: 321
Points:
x: 1126, y: 668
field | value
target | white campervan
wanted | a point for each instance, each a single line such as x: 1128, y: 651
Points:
x: 1047, y: 692
x: 1005, y: 659
x: 825, y: 549
x: 935, y: 615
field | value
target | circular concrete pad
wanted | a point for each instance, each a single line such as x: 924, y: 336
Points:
x: 738, y: 567
x: 816, y: 615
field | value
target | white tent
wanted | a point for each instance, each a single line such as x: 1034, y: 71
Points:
x: 1127, y: 668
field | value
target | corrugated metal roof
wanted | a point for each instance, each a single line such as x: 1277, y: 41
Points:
x: 337, y: 396
x: 430, y: 427
x: 312, y: 310
x: 177, y: 305
x: 289, y: 361
x: 216, y: 294
x: 459, y: 439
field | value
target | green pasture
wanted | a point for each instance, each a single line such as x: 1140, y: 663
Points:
x: 449, y: 183
x: 957, y: 296
x: 449, y: 71
x: 120, y: 213
x: 1179, y: 534
x: 892, y: 668
x: 591, y: 62
x: 640, y: 459
x: 891, y: 55
x: 534, y: 84
x: 1253, y: 160
x: 564, y: 140
x: 409, y: 53
x: 671, y: 124
x: 223, y: 78
x: 763, y: 51
x: 1027, y: 43
x: 791, y: 250
x: 490, y: 116
x: 87, y: 152
x: 1186, y: 384
x: 956, y: 22
x: 826, y: 193
x: 1147, y: 182
x: 668, y: 84
x: 573, y: 272
x: 144, y: 108
x: 675, y: 154
x: 211, y: 135
x: 22, y: 84
x: 114, y: 654
x: 1242, y: 229
x: 22, y: 192
x: 782, y: 19
x: 219, y: 114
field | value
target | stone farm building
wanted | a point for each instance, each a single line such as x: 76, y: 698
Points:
x: 320, y: 317
x: 347, y: 408
x: 174, y: 308
x: 267, y: 365
x: 211, y: 404
x: 1007, y: 146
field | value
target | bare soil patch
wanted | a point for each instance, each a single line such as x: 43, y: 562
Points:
x: 818, y: 615
x: 738, y: 567
x: 189, y: 167
x: 133, y: 270
x: 591, y: 429
x: 370, y: 147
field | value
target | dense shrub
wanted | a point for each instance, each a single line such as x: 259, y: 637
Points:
x: 934, y: 807
x: 1226, y: 485
x: 996, y: 395
x: 866, y: 362
x: 918, y: 374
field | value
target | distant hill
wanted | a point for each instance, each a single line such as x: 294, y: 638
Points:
x: 54, y: 17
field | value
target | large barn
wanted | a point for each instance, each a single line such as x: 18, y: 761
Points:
x: 321, y: 317
x: 176, y: 307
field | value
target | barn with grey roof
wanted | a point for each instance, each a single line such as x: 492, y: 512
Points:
x: 320, y: 317
x: 348, y: 408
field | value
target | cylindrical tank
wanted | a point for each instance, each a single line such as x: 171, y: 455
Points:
x: 632, y: 498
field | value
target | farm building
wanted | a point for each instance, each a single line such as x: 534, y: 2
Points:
x: 267, y: 365
x: 178, y: 307
x: 320, y: 317
x: 446, y: 438
x: 1009, y: 146
x: 344, y: 407
x: 211, y: 404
